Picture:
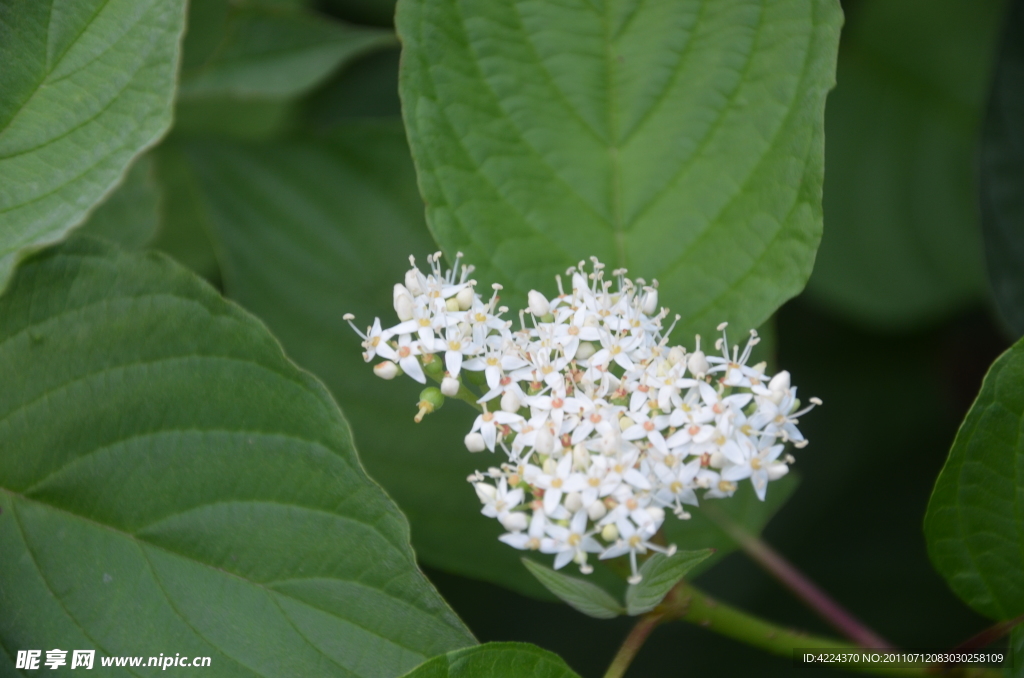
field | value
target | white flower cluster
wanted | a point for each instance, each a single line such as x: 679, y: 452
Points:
x: 602, y: 423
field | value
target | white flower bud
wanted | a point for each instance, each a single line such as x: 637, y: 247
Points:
x: 550, y: 467
x: 513, y: 522
x: 610, y: 533
x: 650, y: 302
x: 778, y: 386
x: 510, y: 402
x: 657, y: 514
x: 452, y: 305
x: 475, y: 442
x: 485, y: 492
x: 697, y: 363
x: 450, y: 386
x: 412, y: 282
x: 676, y: 355
x: 465, y: 298
x: 585, y: 350
x: 386, y: 370
x: 625, y: 422
x: 538, y: 303
x: 580, y: 457
x: 403, y: 303
x: 717, y: 459
x: 573, y: 501
x: 544, y: 440
x: 597, y: 510
x: 777, y: 470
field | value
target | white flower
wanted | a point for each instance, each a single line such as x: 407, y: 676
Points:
x: 572, y: 543
x: 487, y: 425
x: 620, y: 427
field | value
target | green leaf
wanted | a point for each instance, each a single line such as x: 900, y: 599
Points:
x: 975, y: 520
x: 743, y: 508
x: 170, y: 480
x: 660, y: 574
x: 265, y: 52
x: 184, y: 228
x: 376, y: 12
x: 1002, y: 176
x: 87, y: 86
x: 902, y: 246
x: 495, y: 660
x: 682, y: 140
x: 588, y: 598
x: 129, y: 216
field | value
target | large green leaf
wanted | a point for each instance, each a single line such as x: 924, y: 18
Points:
x: 170, y: 480
x: 312, y: 228
x: 975, y: 519
x: 901, y: 243
x: 1002, y: 175
x: 682, y: 140
x: 86, y: 86
x: 495, y: 660
x: 250, y: 50
x: 129, y: 216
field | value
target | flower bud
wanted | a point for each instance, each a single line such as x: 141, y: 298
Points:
x: 513, y: 522
x: 544, y: 440
x: 538, y: 303
x: 778, y: 385
x: 585, y: 350
x: 573, y: 501
x: 412, y: 282
x: 657, y: 514
x: 698, y: 364
x: 597, y: 510
x: 386, y: 369
x: 777, y: 470
x: 580, y: 457
x: 510, y: 401
x: 550, y: 467
x: 717, y: 459
x: 403, y: 303
x: 485, y: 491
x: 650, y: 301
x: 465, y: 298
x: 450, y: 386
x: 475, y: 442
x: 676, y: 355
x: 610, y: 533
x: 452, y: 305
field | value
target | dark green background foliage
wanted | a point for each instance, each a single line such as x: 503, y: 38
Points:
x: 159, y: 449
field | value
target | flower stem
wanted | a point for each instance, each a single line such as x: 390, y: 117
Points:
x: 689, y: 604
x: 630, y: 646
x: 989, y: 635
x: 798, y: 583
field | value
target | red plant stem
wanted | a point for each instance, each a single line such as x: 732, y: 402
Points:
x: 798, y: 583
x: 989, y: 635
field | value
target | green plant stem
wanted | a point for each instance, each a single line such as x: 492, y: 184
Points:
x: 630, y: 646
x: 989, y: 635
x: 798, y: 583
x: 689, y: 604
